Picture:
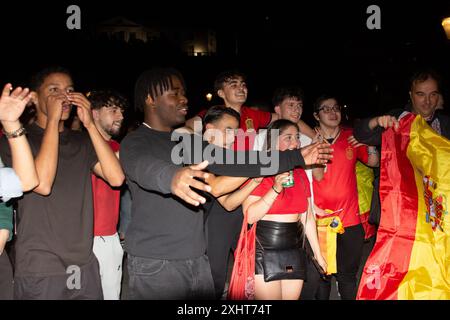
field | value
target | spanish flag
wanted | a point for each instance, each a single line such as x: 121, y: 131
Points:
x: 411, y: 258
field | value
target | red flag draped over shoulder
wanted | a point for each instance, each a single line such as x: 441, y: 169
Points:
x: 411, y: 258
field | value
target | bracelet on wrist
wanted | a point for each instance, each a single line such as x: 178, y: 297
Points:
x: 16, y: 133
x: 273, y: 188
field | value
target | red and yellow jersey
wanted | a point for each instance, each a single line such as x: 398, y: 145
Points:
x: 338, y: 190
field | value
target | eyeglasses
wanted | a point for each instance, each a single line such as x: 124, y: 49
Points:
x: 328, y: 109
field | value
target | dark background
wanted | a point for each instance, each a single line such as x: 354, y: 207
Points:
x: 322, y: 46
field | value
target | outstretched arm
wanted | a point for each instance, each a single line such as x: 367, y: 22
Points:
x: 369, y: 130
x: 222, y: 185
x: 225, y: 162
x: 153, y: 174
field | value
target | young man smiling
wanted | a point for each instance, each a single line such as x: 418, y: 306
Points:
x: 107, y: 110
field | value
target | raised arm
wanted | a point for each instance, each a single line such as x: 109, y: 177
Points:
x: 108, y: 166
x: 12, y: 105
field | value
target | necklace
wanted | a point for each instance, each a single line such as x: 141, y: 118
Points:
x: 146, y: 125
x: 331, y: 139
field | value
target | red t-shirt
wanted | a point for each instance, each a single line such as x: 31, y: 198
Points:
x: 106, y: 203
x: 251, y: 121
x: 337, y: 190
x: 290, y: 200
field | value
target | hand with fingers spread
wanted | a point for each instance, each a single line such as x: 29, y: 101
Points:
x: 317, y: 153
x: 354, y: 143
x: 13, y: 103
x: 184, y: 178
x: 83, y: 108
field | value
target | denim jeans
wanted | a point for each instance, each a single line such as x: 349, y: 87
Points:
x: 153, y: 279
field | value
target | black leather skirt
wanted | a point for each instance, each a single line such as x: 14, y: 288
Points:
x: 279, y: 235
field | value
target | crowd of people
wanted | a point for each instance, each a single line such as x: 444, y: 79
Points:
x: 77, y: 193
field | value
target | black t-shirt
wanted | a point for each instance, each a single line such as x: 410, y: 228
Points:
x: 162, y: 225
x: 56, y: 231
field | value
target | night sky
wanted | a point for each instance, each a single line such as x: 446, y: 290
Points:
x: 322, y: 47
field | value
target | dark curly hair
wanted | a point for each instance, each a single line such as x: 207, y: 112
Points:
x: 107, y: 98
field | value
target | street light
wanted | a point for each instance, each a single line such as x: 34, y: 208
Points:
x: 446, y: 26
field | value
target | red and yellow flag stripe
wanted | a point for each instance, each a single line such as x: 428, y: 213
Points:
x: 411, y: 258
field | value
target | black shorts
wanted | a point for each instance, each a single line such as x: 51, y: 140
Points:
x: 279, y: 235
